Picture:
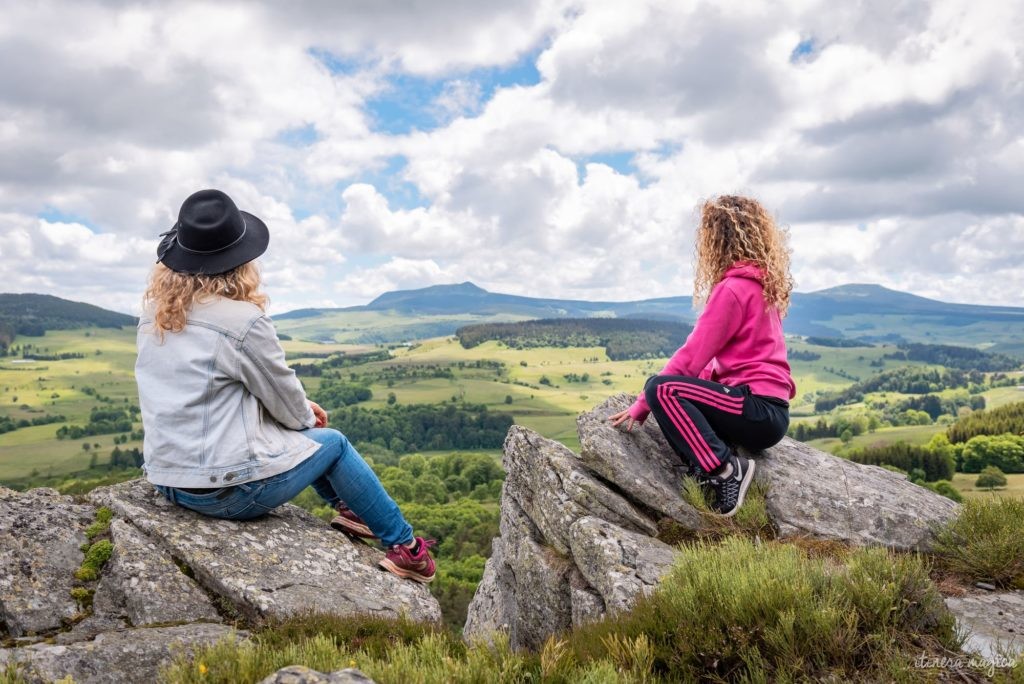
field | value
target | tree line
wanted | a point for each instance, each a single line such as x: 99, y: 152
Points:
x: 8, y: 424
x: 416, y: 427
x: 622, y: 338
x: 963, y: 358
x: 903, y: 381
x: 101, y: 422
x: 1005, y: 419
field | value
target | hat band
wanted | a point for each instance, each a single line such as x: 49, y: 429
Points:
x: 213, y: 251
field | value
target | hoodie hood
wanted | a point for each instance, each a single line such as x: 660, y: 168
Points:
x: 745, y: 269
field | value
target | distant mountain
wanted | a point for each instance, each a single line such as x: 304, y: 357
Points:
x: 469, y: 298
x: 34, y: 314
x: 861, y: 311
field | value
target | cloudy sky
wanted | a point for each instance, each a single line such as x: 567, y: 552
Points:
x: 544, y: 148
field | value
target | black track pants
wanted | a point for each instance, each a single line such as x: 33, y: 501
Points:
x: 703, y: 420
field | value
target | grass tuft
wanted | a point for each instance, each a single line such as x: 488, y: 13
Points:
x: 102, y: 523
x: 83, y: 597
x: 95, y: 558
x: 984, y: 542
x: 12, y: 673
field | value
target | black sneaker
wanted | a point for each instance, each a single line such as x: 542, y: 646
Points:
x: 729, y: 491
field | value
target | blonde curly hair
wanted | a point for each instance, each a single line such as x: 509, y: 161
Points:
x: 734, y: 228
x: 171, y: 294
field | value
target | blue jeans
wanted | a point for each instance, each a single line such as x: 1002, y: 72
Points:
x: 336, y: 471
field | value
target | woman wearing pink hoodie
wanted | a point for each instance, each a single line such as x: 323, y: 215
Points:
x: 730, y: 383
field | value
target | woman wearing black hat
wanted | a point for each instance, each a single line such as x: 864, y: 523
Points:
x: 229, y: 431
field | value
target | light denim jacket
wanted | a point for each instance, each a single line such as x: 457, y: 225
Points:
x: 219, y: 404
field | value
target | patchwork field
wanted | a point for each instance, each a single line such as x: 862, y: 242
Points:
x: 543, y: 388
x: 964, y: 482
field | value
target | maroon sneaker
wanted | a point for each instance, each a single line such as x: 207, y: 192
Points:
x: 348, y: 522
x: 401, y: 561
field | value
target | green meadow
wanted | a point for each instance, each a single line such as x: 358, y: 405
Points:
x: 964, y: 482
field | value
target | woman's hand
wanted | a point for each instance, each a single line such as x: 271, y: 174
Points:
x: 321, y: 415
x: 620, y: 418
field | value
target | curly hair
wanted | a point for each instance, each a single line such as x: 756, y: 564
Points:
x: 171, y: 294
x: 734, y: 228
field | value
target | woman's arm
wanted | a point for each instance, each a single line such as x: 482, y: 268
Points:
x: 263, y: 370
x: 714, y: 327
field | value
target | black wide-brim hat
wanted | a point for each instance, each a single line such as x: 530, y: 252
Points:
x: 212, y: 236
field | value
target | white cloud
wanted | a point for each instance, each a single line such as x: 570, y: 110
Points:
x: 893, y: 147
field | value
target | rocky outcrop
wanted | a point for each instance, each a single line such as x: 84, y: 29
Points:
x: 41, y: 534
x: 297, y: 674
x: 282, y: 564
x: 993, y: 622
x: 131, y: 655
x: 578, y: 532
x: 173, y: 582
x: 816, y: 494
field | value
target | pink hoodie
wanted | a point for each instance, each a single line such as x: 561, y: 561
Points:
x: 736, y: 341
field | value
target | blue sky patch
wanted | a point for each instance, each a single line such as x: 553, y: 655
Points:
x: 408, y: 101
x: 388, y: 181
x: 298, y: 136
x: 802, y: 50
x: 55, y: 215
x: 620, y: 161
x: 342, y: 66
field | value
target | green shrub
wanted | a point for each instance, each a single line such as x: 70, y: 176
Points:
x: 946, y: 489
x: 990, y: 478
x: 741, y: 611
x: 985, y: 542
x: 95, y: 558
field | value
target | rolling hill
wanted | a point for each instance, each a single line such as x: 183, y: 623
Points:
x: 861, y: 311
x: 33, y: 314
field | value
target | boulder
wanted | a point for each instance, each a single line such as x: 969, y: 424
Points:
x: 993, y: 622
x: 285, y: 563
x: 493, y: 606
x: 641, y: 464
x: 619, y: 564
x: 142, y: 584
x: 113, y: 657
x: 812, y: 493
x: 554, y: 490
x: 539, y: 580
x: 41, y: 534
x: 297, y: 674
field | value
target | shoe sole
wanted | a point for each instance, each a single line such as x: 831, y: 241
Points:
x: 405, y: 574
x: 353, y: 528
x: 748, y: 477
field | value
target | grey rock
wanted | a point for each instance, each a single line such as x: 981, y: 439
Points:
x: 548, y: 481
x: 640, y: 463
x: 816, y: 494
x: 586, y: 604
x: 285, y: 563
x: 297, y: 674
x: 41, y: 533
x: 134, y: 655
x: 619, y: 564
x: 492, y: 609
x: 141, y: 583
x: 91, y: 627
x: 539, y: 579
x: 994, y: 622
